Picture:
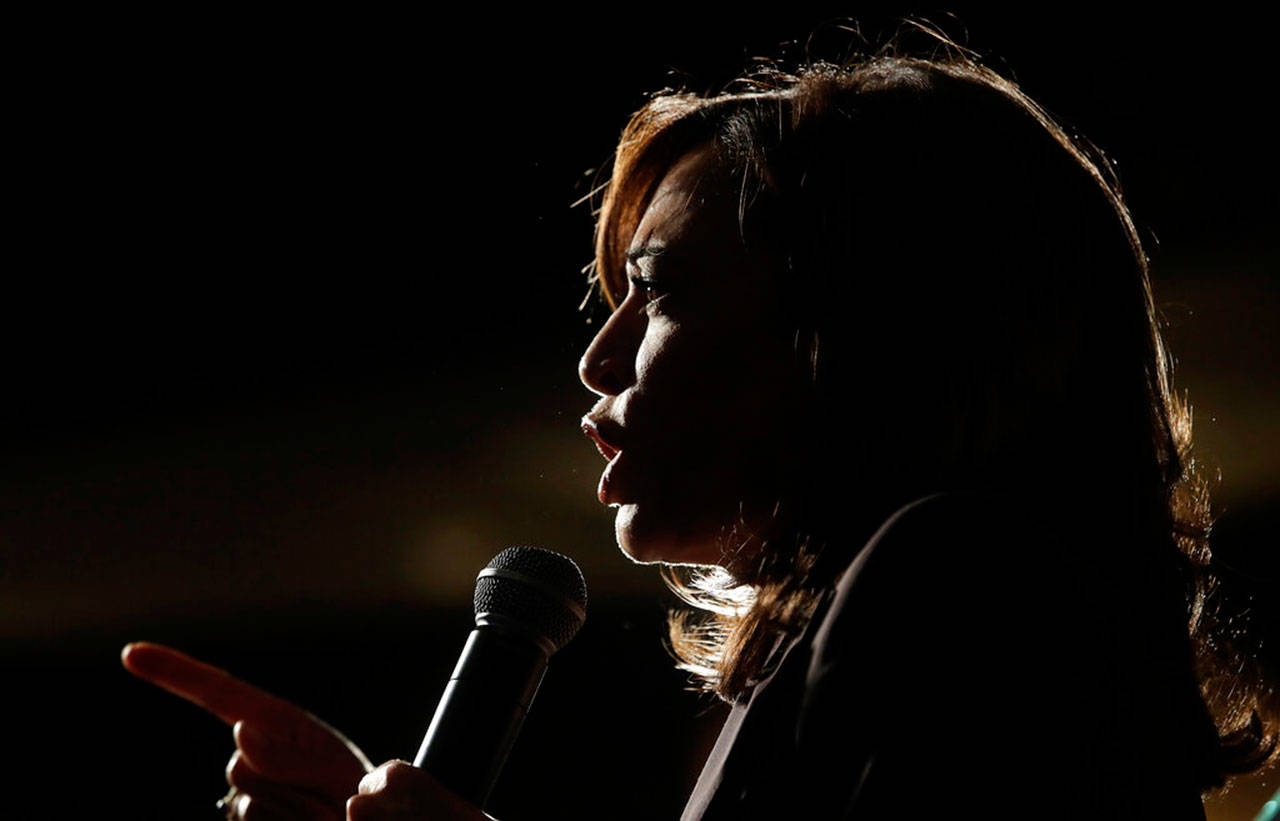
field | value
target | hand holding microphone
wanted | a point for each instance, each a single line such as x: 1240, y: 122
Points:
x: 529, y: 603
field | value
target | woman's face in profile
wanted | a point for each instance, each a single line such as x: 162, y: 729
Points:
x: 691, y: 370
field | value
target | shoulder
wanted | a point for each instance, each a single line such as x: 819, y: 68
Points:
x: 930, y: 631
x: 956, y: 564
x: 980, y: 607
x: 992, y: 622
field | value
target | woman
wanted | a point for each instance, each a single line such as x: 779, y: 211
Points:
x: 883, y: 394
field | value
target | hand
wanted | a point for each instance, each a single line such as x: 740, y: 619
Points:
x: 399, y: 791
x: 287, y: 763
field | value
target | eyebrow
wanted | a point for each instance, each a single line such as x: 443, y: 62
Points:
x: 676, y: 251
x: 653, y: 249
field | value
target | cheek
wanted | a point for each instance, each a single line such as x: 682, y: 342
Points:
x: 686, y: 365
x: 722, y: 433
x: 663, y: 351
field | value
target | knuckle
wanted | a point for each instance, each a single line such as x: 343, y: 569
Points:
x: 398, y: 773
x: 371, y: 782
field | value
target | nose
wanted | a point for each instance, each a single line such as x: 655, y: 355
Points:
x: 607, y: 367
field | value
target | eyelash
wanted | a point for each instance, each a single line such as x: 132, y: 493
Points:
x: 643, y: 285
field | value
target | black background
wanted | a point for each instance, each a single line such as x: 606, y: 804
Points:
x: 291, y: 323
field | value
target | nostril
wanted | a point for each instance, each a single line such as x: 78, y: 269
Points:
x: 603, y: 376
x: 611, y: 382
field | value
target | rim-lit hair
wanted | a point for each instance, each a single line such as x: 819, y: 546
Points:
x: 987, y: 248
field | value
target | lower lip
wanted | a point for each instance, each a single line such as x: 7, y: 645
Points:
x: 608, y: 489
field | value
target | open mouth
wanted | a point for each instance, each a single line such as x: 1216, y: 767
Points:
x: 592, y: 430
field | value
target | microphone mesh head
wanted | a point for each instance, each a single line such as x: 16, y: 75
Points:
x: 538, y: 589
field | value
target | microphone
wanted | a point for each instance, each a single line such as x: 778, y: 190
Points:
x: 529, y: 603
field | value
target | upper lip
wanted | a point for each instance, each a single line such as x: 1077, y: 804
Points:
x: 606, y: 434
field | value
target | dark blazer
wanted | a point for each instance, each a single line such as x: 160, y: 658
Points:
x: 982, y: 655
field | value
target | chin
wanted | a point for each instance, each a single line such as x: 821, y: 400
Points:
x: 649, y: 539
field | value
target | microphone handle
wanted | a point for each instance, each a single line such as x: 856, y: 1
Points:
x: 481, y: 711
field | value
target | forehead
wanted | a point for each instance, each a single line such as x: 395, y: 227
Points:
x: 691, y: 205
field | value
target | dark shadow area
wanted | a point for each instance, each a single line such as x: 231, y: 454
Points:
x: 291, y: 326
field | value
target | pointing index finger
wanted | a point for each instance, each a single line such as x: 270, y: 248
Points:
x: 212, y: 688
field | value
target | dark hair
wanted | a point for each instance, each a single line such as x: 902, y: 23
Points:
x: 928, y: 210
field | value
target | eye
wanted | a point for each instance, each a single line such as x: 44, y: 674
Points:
x: 650, y: 291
